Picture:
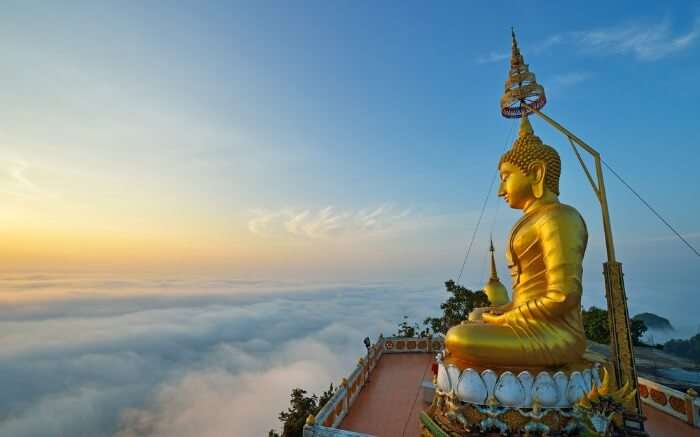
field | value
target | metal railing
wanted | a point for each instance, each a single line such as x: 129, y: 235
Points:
x: 684, y: 406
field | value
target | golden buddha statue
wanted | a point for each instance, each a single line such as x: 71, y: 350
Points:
x: 541, y: 327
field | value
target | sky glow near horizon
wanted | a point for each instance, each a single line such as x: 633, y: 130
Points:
x: 266, y: 141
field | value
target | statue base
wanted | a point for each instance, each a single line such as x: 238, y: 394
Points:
x: 556, y: 402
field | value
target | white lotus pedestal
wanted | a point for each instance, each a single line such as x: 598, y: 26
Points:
x: 559, y: 402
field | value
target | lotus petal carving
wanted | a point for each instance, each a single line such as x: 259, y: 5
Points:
x: 544, y: 390
x: 587, y: 379
x: 526, y: 380
x: 454, y: 373
x: 562, y: 382
x: 509, y: 391
x: 490, y: 377
x: 471, y: 387
x: 576, y: 388
x: 443, y: 380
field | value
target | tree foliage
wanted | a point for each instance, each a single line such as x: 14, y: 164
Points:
x: 595, y: 325
x: 301, y: 406
x: 457, y: 307
x: 407, y: 329
x: 689, y: 348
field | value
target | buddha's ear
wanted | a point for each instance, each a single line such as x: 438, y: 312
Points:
x: 537, y: 170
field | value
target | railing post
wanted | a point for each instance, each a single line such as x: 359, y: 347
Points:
x: 309, y: 426
x: 690, y: 408
x: 344, y: 383
x: 361, y: 363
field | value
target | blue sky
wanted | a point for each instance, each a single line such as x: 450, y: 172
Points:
x: 352, y: 140
x: 196, y: 197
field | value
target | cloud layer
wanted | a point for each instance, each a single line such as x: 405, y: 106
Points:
x: 99, y: 356
x: 205, y: 358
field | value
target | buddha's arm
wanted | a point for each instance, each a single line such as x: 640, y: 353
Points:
x: 563, y: 240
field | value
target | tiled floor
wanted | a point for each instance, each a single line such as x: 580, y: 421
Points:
x: 390, y: 404
x: 662, y: 425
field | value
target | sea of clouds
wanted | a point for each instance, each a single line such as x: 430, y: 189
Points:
x: 102, y: 357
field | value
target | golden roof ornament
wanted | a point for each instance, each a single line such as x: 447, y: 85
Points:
x: 520, y: 87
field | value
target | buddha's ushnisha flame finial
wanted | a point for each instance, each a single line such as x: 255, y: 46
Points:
x: 525, y: 127
x: 520, y: 87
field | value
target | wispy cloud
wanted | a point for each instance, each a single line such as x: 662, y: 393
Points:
x: 328, y: 222
x: 643, y: 40
x: 548, y: 43
x: 572, y: 78
x: 15, y: 179
x: 493, y: 57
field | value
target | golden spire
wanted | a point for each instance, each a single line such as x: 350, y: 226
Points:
x: 515, y: 58
x: 520, y: 87
x: 494, y: 273
x: 494, y: 289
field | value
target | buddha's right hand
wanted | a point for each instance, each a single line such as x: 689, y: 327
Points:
x: 494, y: 317
x: 476, y: 314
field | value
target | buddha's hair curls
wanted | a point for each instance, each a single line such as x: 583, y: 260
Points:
x: 527, y: 149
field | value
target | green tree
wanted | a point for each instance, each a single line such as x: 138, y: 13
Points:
x: 411, y: 330
x: 595, y: 325
x: 301, y: 406
x: 689, y: 348
x: 457, y: 307
x: 637, y: 330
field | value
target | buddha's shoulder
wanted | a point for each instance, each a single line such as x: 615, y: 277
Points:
x: 560, y: 212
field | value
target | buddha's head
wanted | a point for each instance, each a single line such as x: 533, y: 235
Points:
x: 529, y: 170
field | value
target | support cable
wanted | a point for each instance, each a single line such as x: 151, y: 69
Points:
x: 483, y: 208
x: 656, y: 213
x: 476, y: 228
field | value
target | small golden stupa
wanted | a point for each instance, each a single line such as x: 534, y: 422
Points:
x: 494, y: 289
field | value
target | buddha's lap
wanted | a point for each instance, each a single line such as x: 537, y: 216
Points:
x: 500, y: 344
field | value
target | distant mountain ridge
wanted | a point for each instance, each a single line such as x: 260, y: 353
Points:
x: 654, y: 322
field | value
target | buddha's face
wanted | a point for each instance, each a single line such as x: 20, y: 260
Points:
x: 515, y: 186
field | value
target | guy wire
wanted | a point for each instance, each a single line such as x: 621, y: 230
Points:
x: 483, y: 208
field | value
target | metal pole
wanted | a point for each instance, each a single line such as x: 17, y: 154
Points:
x: 621, y: 349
